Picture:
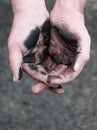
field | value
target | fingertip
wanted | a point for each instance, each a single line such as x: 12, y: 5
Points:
x: 76, y: 67
x: 35, y: 91
x: 59, y: 90
x: 20, y: 74
x: 37, y: 88
x: 15, y: 57
x: 18, y: 77
x: 14, y: 79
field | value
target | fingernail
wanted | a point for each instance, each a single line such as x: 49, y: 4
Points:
x: 14, y: 79
x: 76, y: 67
x: 20, y: 74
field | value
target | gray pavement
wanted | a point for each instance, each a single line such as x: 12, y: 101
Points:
x: 76, y: 109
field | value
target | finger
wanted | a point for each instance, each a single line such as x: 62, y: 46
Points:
x: 65, y: 77
x: 39, y: 87
x: 80, y: 62
x: 83, y: 52
x: 60, y: 69
x: 58, y: 90
x: 56, y: 74
x: 35, y: 73
x: 15, y: 58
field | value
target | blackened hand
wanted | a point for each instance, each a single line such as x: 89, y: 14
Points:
x: 28, y: 41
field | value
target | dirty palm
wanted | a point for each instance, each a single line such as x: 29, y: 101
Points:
x: 51, y: 50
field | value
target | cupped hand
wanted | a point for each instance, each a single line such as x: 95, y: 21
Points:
x: 28, y: 39
x: 74, y: 47
x: 28, y: 45
x: 69, y: 47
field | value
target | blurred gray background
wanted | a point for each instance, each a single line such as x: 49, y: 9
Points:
x: 76, y: 109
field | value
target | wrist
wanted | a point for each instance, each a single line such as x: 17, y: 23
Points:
x: 74, y: 5
x: 27, y: 7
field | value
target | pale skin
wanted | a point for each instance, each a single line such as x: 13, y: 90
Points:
x: 28, y: 15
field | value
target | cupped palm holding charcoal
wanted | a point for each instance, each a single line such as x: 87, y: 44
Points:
x: 37, y: 60
x: 52, y: 53
x: 59, y: 54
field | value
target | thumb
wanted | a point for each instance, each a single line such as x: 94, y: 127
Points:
x: 37, y: 88
x: 84, y: 53
x: 15, y: 59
